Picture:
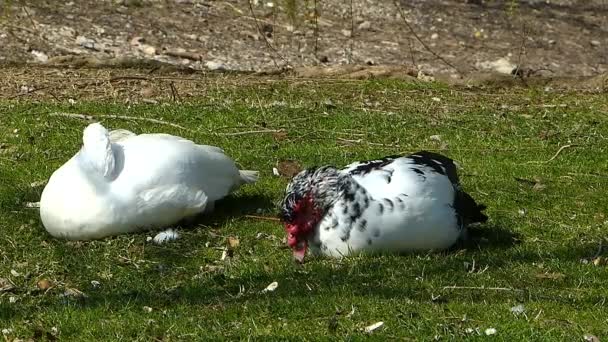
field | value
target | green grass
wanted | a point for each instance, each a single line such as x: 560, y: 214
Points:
x: 534, y: 242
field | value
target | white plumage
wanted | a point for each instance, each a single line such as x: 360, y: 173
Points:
x: 395, y: 204
x: 120, y: 182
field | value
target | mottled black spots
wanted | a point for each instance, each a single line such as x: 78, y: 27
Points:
x: 369, y: 242
x: 380, y: 209
x: 345, y: 236
x: 356, y: 212
x: 362, y: 225
x: 365, y: 202
x: 438, y: 163
x: 344, y: 209
x: 368, y: 166
x: 334, y: 223
x: 388, y: 204
x: 388, y: 174
x: 323, y: 247
x: 349, y: 196
x: 401, y: 202
x: 376, y: 232
x: 419, y: 172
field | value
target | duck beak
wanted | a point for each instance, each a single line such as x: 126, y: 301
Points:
x: 299, y: 252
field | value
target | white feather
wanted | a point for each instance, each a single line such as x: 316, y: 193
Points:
x: 133, y: 183
x: 165, y: 236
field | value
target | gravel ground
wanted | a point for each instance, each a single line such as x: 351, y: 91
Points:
x: 553, y: 38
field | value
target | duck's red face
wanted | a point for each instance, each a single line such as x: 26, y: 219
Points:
x: 300, y: 218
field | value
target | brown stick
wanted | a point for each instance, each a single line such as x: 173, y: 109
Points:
x: 482, y: 288
x: 112, y: 116
x: 266, y: 218
x: 257, y: 25
x: 411, y: 29
x: 233, y: 134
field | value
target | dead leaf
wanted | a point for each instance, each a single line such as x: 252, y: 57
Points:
x: 288, y: 168
x: 5, y: 285
x: 279, y: 136
x: 74, y: 292
x: 550, y: 275
x: 599, y: 261
x: 536, y: 183
x: 44, y: 284
x: 233, y: 242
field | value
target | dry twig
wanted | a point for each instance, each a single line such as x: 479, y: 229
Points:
x: 232, y: 134
x: 554, y: 156
x: 261, y: 32
x: 112, y: 116
x: 267, y: 218
x: 482, y: 288
x: 413, y: 32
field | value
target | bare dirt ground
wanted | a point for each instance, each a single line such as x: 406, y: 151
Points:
x: 553, y: 38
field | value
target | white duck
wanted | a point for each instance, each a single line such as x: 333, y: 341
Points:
x: 395, y: 204
x: 120, y: 182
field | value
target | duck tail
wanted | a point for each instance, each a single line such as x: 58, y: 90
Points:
x: 249, y: 176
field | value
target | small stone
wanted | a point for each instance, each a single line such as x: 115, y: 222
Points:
x: 591, y: 338
x: 518, y: 309
x: 434, y: 36
x: 12, y: 299
x: 7, y: 331
x: 366, y: 25
x: 490, y: 331
x: 147, y: 49
x: 347, y: 33
x: 147, y: 309
x: 136, y: 41
x: 213, y: 65
x: 95, y: 284
x: 595, y: 43
x: 435, y: 137
x: 40, y: 56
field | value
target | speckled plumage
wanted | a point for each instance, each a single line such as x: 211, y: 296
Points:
x: 395, y: 204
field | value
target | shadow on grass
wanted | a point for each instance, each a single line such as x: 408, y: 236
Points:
x: 416, y: 277
x: 489, y: 236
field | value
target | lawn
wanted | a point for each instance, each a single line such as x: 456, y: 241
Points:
x: 535, y: 271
